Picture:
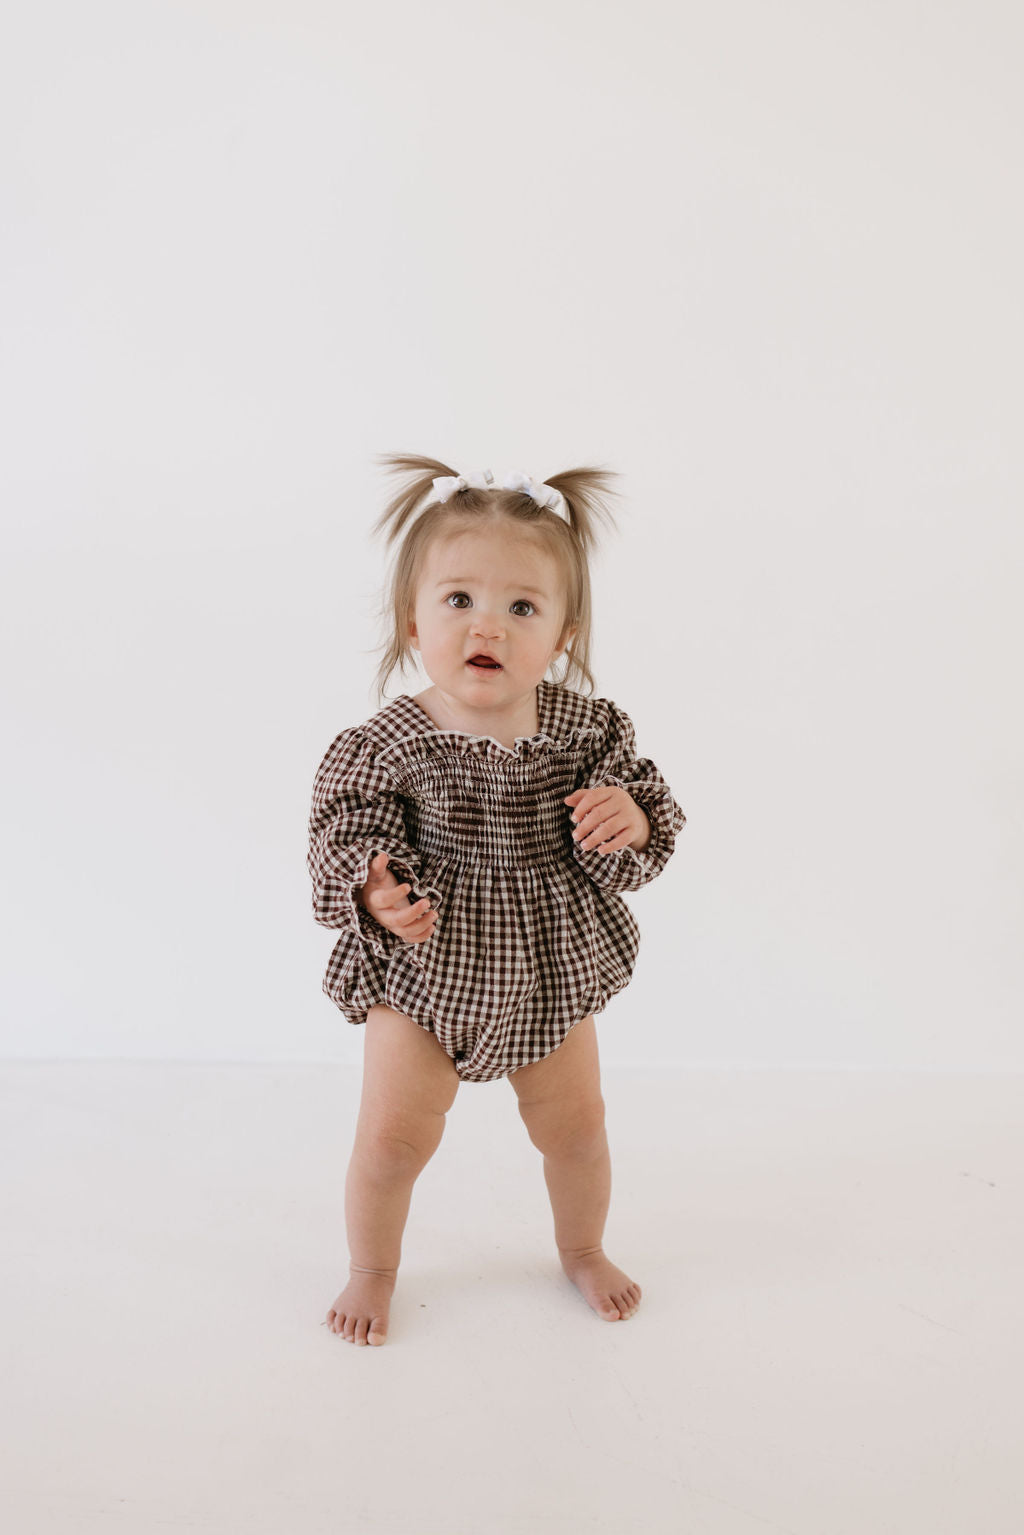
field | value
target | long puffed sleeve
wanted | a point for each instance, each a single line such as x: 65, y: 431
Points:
x: 355, y: 815
x: 615, y: 762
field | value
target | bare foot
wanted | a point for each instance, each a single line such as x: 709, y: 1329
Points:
x: 360, y: 1313
x: 612, y: 1293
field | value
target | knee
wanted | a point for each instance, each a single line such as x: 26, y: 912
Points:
x: 400, y: 1150
x: 559, y: 1131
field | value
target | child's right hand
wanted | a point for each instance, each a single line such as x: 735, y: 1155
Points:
x: 388, y: 902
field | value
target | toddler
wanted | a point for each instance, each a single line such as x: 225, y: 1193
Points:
x: 472, y: 844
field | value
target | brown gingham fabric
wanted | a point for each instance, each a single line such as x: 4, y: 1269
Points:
x: 532, y: 933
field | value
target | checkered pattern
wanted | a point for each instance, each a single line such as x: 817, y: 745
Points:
x: 532, y: 933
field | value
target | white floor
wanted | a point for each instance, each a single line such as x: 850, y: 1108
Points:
x: 829, y: 1341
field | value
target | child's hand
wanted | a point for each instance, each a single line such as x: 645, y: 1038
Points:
x: 388, y: 901
x: 608, y: 818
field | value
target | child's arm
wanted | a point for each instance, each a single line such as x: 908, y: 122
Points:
x: 356, y: 814
x: 616, y: 762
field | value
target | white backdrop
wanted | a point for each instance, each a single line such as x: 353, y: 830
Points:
x: 762, y: 259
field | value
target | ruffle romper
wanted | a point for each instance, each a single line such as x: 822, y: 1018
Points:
x: 532, y: 934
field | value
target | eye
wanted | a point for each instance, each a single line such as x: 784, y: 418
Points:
x: 520, y: 602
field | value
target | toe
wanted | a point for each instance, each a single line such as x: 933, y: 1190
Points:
x: 362, y: 1327
x: 378, y: 1332
x: 609, y: 1310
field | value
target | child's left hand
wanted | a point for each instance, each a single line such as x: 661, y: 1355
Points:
x: 608, y: 818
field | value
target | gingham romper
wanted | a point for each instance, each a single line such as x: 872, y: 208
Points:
x: 532, y: 933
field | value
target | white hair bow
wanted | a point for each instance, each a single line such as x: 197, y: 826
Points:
x: 514, y: 479
x: 447, y: 484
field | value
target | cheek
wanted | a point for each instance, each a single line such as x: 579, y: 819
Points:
x: 433, y: 625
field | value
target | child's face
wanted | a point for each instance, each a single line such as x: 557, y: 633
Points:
x: 496, y: 591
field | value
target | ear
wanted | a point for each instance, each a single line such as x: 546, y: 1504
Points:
x: 563, y: 640
x: 412, y: 636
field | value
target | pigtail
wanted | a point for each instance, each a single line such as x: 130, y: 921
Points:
x: 584, y: 492
x: 402, y: 506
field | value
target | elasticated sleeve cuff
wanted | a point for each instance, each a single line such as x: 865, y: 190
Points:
x: 355, y: 815
x: 616, y: 762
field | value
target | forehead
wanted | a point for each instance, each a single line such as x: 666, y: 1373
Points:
x: 497, y: 552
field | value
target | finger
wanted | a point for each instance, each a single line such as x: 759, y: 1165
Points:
x: 621, y: 840
x: 579, y: 821
x: 419, y: 928
x: 407, y: 916
x: 377, y: 870
x: 409, y: 931
x: 382, y: 899
x: 604, y: 832
x: 389, y: 903
x: 593, y: 806
x: 591, y: 822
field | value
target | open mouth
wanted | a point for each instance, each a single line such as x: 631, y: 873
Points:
x: 484, y: 664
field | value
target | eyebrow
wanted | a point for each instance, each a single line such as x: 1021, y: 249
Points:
x: 535, y: 591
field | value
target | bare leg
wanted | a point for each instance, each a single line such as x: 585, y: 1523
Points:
x: 580, y: 1187
x: 409, y: 1083
x: 561, y: 1105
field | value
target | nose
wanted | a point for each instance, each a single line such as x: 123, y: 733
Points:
x: 486, y: 627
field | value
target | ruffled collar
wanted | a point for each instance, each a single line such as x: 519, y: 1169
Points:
x: 563, y: 718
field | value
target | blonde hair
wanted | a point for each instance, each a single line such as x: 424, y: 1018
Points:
x: 569, y: 542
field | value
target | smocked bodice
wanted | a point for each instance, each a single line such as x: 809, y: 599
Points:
x: 473, y: 805
x: 469, y: 799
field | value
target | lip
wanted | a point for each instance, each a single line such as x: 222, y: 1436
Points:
x: 486, y: 671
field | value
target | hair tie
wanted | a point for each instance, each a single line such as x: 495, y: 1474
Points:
x: 446, y: 485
